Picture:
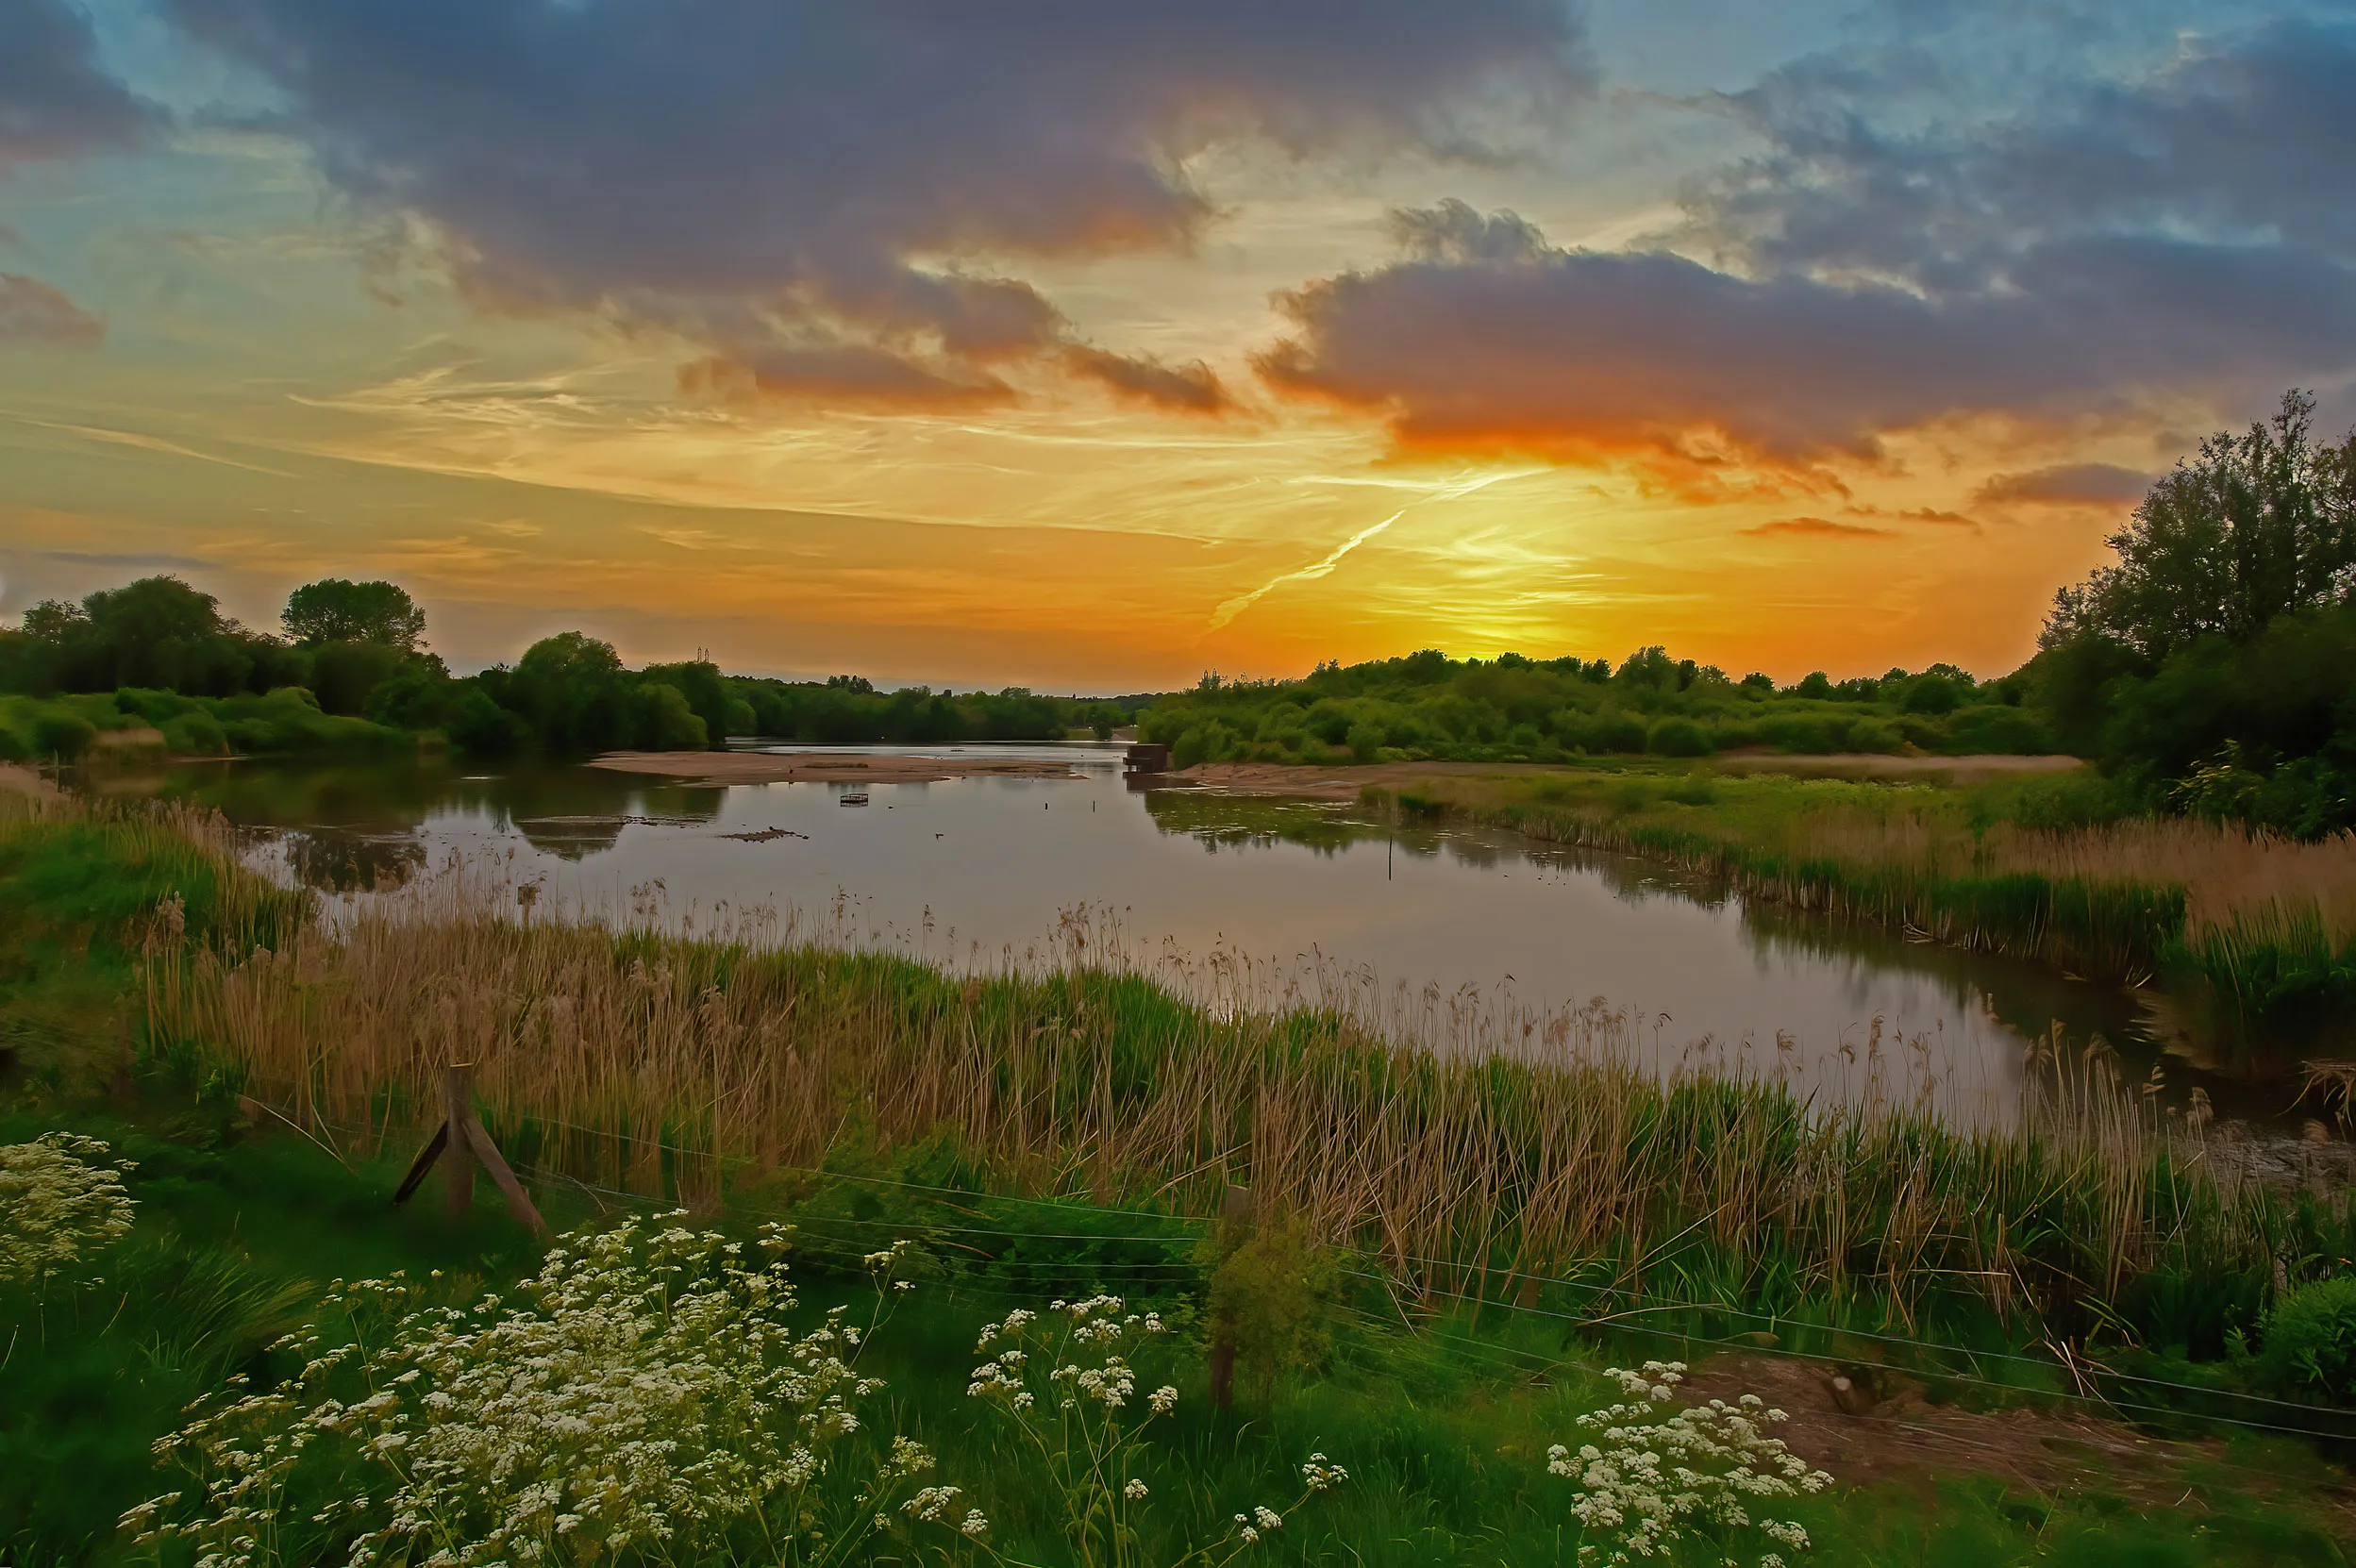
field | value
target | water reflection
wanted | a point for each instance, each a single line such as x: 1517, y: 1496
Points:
x: 1451, y: 917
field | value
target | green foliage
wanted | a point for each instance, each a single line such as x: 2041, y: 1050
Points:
x: 156, y: 632
x: 2214, y: 665
x: 2310, y: 1346
x: 1270, y: 1296
x: 1677, y: 737
x: 336, y: 610
x: 1513, y: 708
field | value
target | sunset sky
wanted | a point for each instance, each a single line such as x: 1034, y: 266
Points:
x: 1088, y: 345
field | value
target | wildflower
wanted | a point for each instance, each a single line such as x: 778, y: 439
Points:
x: 58, y: 1202
x: 1134, y: 1490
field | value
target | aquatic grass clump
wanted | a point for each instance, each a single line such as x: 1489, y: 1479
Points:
x: 1463, y: 1152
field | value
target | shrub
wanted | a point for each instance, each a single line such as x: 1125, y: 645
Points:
x: 65, y: 735
x: 1877, y: 735
x: 1364, y: 741
x: 2310, y: 1346
x: 1676, y: 737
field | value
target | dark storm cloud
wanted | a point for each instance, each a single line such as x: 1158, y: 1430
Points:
x: 796, y: 177
x: 54, y: 100
x: 32, y: 311
x: 2191, y: 230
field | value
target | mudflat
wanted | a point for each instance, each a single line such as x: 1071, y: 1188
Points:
x: 754, y: 767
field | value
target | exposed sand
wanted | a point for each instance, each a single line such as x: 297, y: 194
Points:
x: 751, y: 767
x: 1344, y: 782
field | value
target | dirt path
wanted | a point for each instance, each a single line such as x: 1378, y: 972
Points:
x: 753, y: 767
x: 1901, y: 1436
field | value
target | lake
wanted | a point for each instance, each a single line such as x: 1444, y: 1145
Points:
x: 1452, y: 933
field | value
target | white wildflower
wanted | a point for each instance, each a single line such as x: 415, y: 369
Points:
x: 58, y: 1203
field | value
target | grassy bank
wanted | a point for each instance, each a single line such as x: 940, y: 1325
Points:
x: 149, y: 725
x: 2250, y: 931
x: 1494, y: 1232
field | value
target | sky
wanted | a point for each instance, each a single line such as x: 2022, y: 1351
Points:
x: 1090, y: 347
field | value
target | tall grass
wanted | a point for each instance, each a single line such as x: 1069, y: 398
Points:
x: 694, y: 1065
x: 2260, y: 929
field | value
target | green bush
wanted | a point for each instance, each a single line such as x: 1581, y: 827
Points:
x: 60, y: 734
x: 1364, y: 741
x: 1877, y: 735
x: 2310, y: 1345
x: 1676, y: 737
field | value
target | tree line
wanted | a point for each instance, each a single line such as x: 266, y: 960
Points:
x: 349, y: 670
x: 2210, y: 668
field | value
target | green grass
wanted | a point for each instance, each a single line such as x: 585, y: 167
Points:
x: 1442, y: 1410
x: 286, y: 721
x: 1915, y: 857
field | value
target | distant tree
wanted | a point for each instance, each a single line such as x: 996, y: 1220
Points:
x: 1816, y: 684
x: 2256, y: 526
x: 335, y: 610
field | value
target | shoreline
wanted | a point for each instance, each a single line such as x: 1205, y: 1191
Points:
x: 754, y: 767
x: 1346, y: 781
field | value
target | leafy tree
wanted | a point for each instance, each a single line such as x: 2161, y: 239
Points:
x: 2256, y: 526
x: 335, y: 610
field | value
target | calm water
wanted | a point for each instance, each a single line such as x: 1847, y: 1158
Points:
x: 1454, y: 921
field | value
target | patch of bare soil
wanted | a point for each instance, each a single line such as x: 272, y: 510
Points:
x: 1873, y: 1426
x: 751, y: 767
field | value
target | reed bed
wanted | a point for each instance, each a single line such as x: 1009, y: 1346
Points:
x: 692, y: 1064
x: 2264, y: 928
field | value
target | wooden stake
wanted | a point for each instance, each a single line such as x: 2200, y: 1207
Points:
x: 467, y: 1141
x: 457, y: 1173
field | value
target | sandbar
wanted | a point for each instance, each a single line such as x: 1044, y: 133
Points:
x: 810, y: 767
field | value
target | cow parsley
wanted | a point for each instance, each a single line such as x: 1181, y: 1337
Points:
x: 641, y: 1396
x: 58, y: 1202
x: 1649, y: 1478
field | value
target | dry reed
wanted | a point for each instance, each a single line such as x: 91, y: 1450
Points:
x: 677, y: 1064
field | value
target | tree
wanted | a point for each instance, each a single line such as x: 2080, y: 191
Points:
x: 2258, y: 525
x: 335, y: 610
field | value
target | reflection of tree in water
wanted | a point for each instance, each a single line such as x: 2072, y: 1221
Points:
x: 1236, y: 822
x: 576, y: 813
x: 336, y: 861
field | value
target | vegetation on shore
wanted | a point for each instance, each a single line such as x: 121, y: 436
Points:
x: 2210, y: 671
x: 1045, y: 1135
x: 351, y: 677
x: 2245, y: 929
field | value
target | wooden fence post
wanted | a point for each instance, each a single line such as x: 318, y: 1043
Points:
x: 467, y: 1141
x: 1236, y: 1223
x: 457, y: 1173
